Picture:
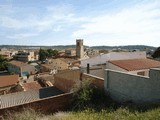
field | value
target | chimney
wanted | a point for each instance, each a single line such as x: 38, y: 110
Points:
x: 88, y: 68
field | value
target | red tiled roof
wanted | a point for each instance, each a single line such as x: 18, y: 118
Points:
x: 136, y: 64
x: 31, y: 86
x: 8, y: 80
x: 18, y: 63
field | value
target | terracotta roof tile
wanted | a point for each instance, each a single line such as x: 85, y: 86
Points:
x: 31, y: 86
x: 136, y: 64
x: 18, y: 63
x: 8, y: 80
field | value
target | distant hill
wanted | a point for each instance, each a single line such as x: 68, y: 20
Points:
x: 129, y: 47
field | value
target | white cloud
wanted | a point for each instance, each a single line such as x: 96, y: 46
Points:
x: 58, y: 29
x: 53, y: 16
x: 21, y: 36
x: 133, y: 25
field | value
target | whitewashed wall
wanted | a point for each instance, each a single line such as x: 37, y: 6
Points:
x: 101, y: 59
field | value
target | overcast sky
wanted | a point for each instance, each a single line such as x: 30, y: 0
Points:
x: 98, y: 22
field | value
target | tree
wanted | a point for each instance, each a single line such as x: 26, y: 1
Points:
x: 3, y: 63
x: 156, y: 53
x: 43, y: 54
x: 52, y: 52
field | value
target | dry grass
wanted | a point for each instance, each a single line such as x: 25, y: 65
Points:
x: 89, y: 114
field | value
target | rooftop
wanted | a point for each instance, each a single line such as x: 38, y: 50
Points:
x: 31, y: 86
x: 18, y: 63
x: 19, y: 98
x: 136, y: 64
x: 66, y: 60
x: 8, y: 80
x: 48, y: 66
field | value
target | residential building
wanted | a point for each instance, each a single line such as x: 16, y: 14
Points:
x: 92, y: 52
x: 47, y: 68
x: 134, y: 66
x: 36, y: 65
x: 102, y: 58
x: 58, y: 64
x: 7, y: 82
x: 31, y: 86
x: 5, y: 54
x: 21, y: 68
x: 26, y: 97
x: 70, y: 52
x: 25, y: 56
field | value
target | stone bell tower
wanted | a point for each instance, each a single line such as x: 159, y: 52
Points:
x: 79, y: 48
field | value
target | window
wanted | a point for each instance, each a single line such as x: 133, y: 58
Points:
x: 78, y: 44
x: 141, y: 73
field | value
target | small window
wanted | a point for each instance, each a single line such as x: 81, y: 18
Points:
x: 78, y: 44
x: 141, y: 73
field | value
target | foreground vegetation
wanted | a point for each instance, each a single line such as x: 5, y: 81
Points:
x: 89, y: 114
x: 3, y: 63
x: 90, y: 103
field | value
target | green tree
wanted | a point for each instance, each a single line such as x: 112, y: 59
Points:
x: 52, y: 52
x: 55, y: 52
x: 42, y: 54
x: 3, y: 63
x: 156, y: 53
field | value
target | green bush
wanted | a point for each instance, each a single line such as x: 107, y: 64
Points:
x: 87, y: 95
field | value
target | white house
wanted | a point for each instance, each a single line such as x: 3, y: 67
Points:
x: 101, y: 59
x: 134, y: 66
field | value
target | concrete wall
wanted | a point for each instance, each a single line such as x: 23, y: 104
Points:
x: 97, y: 81
x: 66, y: 81
x: 13, y: 68
x: 101, y: 59
x: 51, y: 104
x: 28, y: 68
x: 97, y: 72
x: 128, y: 87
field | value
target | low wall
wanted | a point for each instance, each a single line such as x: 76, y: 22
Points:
x: 99, y: 82
x: 47, y: 105
x: 128, y: 87
x: 67, y: 80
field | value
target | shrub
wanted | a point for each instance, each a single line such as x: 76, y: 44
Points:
x: 26, y: 114
x: 86, y: 94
